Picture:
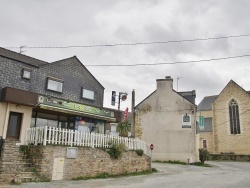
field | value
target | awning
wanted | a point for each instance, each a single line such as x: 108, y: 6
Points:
x: 75, y: 112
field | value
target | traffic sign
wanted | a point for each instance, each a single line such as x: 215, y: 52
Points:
x: 151, y: 146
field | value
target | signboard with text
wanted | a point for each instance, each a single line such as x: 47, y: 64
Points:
x: 186, y: 121
x: 45, y: 100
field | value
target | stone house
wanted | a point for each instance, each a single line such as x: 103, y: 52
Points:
x: 166, y: 119
x: 224, y: 123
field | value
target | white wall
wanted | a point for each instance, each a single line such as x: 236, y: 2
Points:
x: 160, y: 117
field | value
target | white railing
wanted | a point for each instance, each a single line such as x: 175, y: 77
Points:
x: 57, y: 136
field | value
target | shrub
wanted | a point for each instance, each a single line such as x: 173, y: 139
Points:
x: 139, y: 152
x: 115, y: 151
x: 203, y: 155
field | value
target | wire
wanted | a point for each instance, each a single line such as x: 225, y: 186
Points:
x: 170, y: 63
x: 137, y: 43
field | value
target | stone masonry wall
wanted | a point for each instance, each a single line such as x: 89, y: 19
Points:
x: 89, y: 162
x: 224, y: 141
x: 8, y: 160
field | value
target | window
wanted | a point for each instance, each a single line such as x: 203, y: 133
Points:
x: 204, y: 144
x: 234, y: 117
x: 87, y: 94
x: 26, y: 73
x: 54, y: 85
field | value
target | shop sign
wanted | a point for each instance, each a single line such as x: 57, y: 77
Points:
x: 74, y: 106
x: 186, y: 121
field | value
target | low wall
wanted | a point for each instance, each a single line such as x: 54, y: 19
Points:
x: 89, y: 162
x: 229, y: 157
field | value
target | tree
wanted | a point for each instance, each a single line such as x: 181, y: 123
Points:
x: 123, y: 128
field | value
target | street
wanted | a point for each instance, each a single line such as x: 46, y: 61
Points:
x: 222, y: 174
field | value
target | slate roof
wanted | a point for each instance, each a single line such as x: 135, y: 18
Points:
x: 189, y: 95
x: 206, y: 102
x: 20, y: 57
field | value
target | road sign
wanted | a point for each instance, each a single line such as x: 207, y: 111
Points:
x: 151, y: 146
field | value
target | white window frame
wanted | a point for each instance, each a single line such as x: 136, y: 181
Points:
x: 24, y: 75
x: 57, y: 88
x: 88, y: 94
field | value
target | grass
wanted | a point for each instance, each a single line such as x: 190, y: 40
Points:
x: 183, y: 163
x: 107, y: 175
x: 171, y: 162
x: 200, y: 164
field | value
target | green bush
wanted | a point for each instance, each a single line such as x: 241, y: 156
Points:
x: 203, y: 155
x: 139, y: 152
x: 116, y: 150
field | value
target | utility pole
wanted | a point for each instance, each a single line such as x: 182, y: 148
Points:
x: 133, y: 115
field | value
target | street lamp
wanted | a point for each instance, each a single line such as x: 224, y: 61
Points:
x: 122, y: 96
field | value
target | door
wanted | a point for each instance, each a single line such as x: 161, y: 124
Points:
x: 14, y: 125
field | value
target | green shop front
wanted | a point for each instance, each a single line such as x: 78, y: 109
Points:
x: 53, y: 112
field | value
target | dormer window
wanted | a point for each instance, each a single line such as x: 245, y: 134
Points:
x: 54, y: 84
x: 88, y: 94
x: 26, y: 73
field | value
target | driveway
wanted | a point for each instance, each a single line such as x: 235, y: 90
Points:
x: 221, y: 175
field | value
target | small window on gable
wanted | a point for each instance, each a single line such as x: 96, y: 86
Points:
x: 26, y: 73
x: 88, y: 94
x: 54, y: 84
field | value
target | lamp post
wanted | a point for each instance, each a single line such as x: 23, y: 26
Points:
x: 122, y: 96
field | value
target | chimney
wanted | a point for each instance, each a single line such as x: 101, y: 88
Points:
x: 166, y: 84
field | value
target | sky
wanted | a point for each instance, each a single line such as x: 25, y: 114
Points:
x: 60, y: 23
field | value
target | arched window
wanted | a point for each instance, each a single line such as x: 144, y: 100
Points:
x: 234, y: 117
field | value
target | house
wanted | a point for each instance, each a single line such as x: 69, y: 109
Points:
x: 60, y: 103
x: 166, y: 119
x: 224, y: 123
x: 35, y: 93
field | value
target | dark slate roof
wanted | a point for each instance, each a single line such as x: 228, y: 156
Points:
x: 75, y: 58
x: 20, y: 57
x: 206, y: 103
x: 188, y: 95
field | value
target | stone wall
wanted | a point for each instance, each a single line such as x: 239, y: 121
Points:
x: 229, y: 157
x: 89, y: 162
x: 8, y: 160
x: 224, y: 141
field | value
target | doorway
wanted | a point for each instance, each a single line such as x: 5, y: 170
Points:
x: 14, y: 126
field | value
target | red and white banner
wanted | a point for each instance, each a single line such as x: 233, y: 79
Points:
x: 125, y: 116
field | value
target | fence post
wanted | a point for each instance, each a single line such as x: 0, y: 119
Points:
x: 45, y: 136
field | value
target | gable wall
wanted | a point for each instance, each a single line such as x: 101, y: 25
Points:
x: 224, y: 142
x: 160, y: 120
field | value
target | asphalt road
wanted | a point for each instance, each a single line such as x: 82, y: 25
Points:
x: 221, y: 175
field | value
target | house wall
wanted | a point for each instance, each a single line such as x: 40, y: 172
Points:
x: 225, y: 142
x: 205, y: 135
x: 89, y: 162
x: 71, y: 71
x: 159, y: 120
x: 5, y: 109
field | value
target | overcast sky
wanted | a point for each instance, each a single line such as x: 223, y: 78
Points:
x: 49, y: 23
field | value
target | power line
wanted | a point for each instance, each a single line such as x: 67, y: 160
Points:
x: 169, y: 63
x: 138, y: 43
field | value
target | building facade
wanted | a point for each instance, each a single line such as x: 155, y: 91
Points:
x: 36, y: 93
x: 226, y: 126
x: 166, y: 119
